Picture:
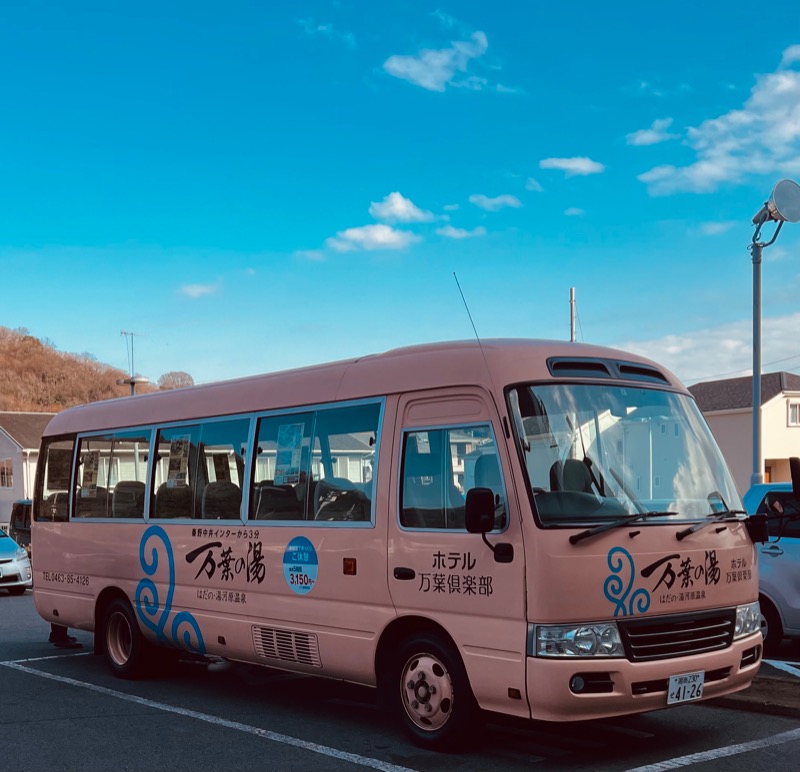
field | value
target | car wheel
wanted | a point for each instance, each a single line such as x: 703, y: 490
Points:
x: 17, y: 590
x: 126, y: 650
x: 771, y: 627
x: 434, y: 700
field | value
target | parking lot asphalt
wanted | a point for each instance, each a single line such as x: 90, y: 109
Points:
x: 775, y: 690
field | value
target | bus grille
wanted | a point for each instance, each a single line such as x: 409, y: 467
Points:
x: 286, y: 645
x: 677, y: 636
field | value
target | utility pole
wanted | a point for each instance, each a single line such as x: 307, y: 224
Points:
x: 572, y: 314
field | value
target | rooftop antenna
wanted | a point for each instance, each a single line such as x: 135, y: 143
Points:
x: 464, y: 300
x: 129, y: 336
x: 486, y: 363
x: 132, y: 378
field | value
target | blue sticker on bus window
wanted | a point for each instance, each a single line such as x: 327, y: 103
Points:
x: 300, y: 565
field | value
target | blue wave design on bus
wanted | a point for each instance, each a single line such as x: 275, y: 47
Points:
x: 147, y: 602
x: 617, y: 591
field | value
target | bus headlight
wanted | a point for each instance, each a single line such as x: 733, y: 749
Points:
x: 595, y: 639
x: 748, y: 620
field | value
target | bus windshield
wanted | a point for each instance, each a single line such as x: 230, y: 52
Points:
x: 597, y: 452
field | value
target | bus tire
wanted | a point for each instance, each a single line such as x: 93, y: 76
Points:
x: 771, y: 627
x: 434, y: 701
x: 124, y: 646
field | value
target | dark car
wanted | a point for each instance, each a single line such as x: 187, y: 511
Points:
x: 20, y: 524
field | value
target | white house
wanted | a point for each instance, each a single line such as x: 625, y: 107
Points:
x: 20, y: 435
x: 728, y: 408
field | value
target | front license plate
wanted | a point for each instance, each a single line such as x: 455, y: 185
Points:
x: 685, y: 688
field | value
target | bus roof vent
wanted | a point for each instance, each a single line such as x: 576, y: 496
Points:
x: 579, y: 368
x: 286, y: 645
x: 638, y: 372
x: 595, y: 367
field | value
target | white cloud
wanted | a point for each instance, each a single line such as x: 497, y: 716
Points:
x: 573, y: 166
x: 725, y: 351
x: 493, y: 204
x: 397, y: 208
x: 371, y: 237
x: 311, y: 254
x: 790, y: 56
x: 574, y: 211
x: 654, y: 135
x: 532, y: 184
x: 435, y: 69
x: 760, y: 138
x: 460, y: 233
x: 311, y: 29
x: 199, y: 290
x: 715, y: 228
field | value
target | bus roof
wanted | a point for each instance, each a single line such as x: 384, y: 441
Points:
x: 428, y: 366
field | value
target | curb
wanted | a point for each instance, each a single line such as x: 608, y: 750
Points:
x: 767, y: 694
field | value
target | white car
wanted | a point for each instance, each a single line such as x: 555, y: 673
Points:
x: 15, y: 567
x: 779, y: 562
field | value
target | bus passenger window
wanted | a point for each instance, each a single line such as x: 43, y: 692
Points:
x: 112, y: 469
x: 316, y: 466
x: 281, y: 467
x: 343, y: 461
x: 175, y: 469
x: 53, y: 480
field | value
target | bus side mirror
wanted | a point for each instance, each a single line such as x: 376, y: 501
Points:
x: 758, y: 528
x: 479, y: 510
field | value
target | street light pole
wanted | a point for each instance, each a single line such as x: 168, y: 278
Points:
x: 783, y: 206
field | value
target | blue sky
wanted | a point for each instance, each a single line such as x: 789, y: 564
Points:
x: 254, y: 186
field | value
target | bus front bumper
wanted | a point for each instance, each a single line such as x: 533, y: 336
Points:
x: 576, y: 689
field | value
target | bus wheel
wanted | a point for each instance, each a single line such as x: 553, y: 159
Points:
x: 123, y: 643
x: 435, y: 704
x: 771, y: 627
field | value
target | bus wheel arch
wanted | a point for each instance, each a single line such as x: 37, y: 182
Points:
x: 423, y: 682
x: 126, y: 650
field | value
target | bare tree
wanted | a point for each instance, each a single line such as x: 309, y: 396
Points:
x: 175, y: 379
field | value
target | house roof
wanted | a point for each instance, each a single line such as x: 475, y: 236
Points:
x: 25, y: 429
x: 737, y: 393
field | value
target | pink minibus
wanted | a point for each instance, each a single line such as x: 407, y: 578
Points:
x: 540, y: 529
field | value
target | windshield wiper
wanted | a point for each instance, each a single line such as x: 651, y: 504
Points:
x: 728, y: 514
x: 603, y: 527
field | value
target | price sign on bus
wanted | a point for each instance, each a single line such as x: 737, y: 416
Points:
x: 300, y: 565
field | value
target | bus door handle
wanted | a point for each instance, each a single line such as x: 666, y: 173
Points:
x: 773, y: 549
x: 404, y: 573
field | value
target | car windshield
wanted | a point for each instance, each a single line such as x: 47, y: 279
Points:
x: 597, y: 453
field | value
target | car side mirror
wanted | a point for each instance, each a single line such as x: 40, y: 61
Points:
x: 757, y: 528
x: 479, y: 510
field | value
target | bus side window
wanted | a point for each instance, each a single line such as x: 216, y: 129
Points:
x: 112, y: 469
x: 343, y: 461
x: 175, y: 469
x: 439, y: 466
x: 316, y: 466
x: 53, y: 480
x: 281, y: 467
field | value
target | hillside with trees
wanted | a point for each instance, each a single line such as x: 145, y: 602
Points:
x: 36, y: 377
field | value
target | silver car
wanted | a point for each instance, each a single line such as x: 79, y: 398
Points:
x: 779, y: 561
x: 15, y: 567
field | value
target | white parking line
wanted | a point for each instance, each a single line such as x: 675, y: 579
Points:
x: 353, y: 758
x: 719, y: 753
x: 785, y: 666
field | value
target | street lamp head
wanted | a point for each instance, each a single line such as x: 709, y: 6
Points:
x: 783, y: 204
